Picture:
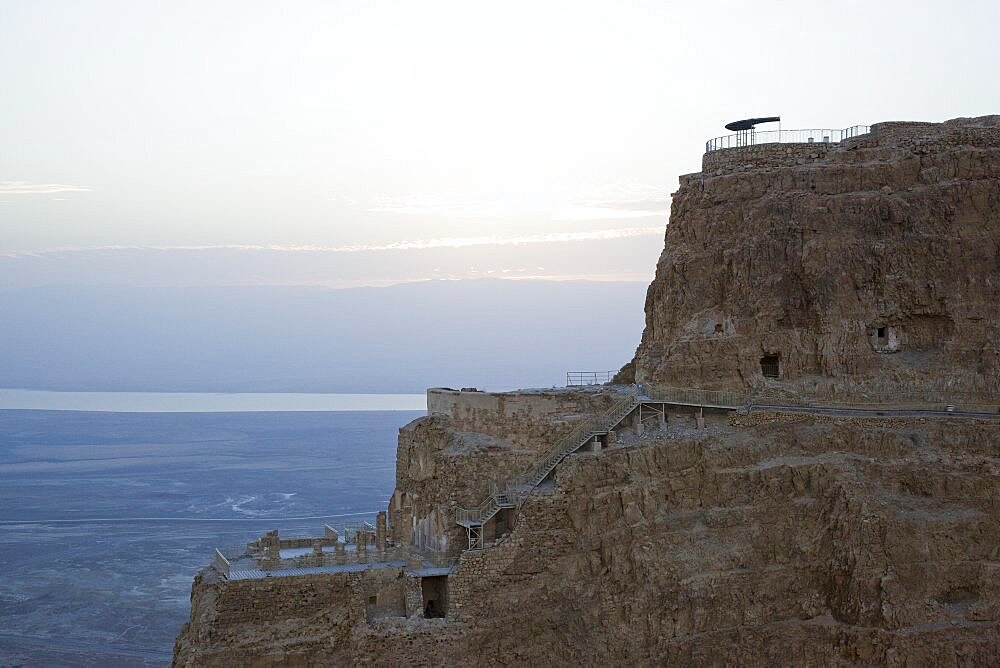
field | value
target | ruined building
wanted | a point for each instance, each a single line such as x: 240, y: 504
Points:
x: 799, y: 466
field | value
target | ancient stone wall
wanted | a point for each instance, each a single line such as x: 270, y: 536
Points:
x: 240, y: 603
x: 527, y: 419
x: 761, y: 156
x: 469, y: 441
x: 819, y: 539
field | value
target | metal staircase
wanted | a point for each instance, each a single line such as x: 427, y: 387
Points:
x: 473, y: 519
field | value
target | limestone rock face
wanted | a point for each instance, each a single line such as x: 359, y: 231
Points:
x: 447, y: 460
x: 867, y: 268
x: 765, y: 539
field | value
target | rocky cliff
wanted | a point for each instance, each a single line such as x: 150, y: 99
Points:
x: 686, y: 535
x: 762, y: 539
x: 867, y: 268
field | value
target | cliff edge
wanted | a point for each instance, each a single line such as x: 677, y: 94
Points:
x: 799, y: 466
x: 865, y: 268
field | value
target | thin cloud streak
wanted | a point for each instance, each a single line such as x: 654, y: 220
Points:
x: 419, y: 244
x: 26, y: 188
x: 583, y: 201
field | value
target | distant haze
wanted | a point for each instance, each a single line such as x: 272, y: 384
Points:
x: 488, y: 333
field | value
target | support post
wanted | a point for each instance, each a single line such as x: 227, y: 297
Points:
x: 475, y: 536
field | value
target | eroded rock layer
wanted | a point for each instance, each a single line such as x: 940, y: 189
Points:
x: 865, y: 268
x: 766, y: 538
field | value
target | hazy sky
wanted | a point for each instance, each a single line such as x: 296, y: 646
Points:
x: 369, y: 142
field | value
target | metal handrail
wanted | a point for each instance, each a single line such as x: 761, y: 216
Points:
x: 901, y: 401
x: 232, y: 552
x: 809, y: 136
x: 530, y: 478
x: 581, y: 434
x: 525, y: 483
x: 574, y: 378
x: 680, y: 395
x: 222, y: 562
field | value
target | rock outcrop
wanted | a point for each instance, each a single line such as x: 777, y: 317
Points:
x: 867, y: 268
x: 862, y: 271
x: 763, y: 539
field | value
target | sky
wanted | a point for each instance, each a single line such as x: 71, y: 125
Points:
x: 369, y: 143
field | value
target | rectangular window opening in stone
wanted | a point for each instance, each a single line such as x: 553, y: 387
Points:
x: 769, y: 366
x: 881, y: 332
x: 435, y: 595
x: 372, y: 600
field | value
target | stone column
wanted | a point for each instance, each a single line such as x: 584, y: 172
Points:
x: 406, y: 526
x: 380, y: 531
x: 359, y: 546
x: 317, y: 552
x: 413, y: 595
x: 271, y: 550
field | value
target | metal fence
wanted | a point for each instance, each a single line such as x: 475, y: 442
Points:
x: 589, y: 377
x: 810, y: 136
x: 952, y: 402
x: 960, y: 402
x: 694, y: 397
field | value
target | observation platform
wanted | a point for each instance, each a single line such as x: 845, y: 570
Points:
x: 749, y: 148
x: 753, y: 137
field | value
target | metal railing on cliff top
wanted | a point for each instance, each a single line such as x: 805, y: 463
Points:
x: 811, y: 136
x: 574, y: 378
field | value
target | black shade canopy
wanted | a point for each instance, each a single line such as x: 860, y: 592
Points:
x: 747, y: 124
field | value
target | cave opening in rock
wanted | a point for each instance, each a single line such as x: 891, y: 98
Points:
x: 769, y: 366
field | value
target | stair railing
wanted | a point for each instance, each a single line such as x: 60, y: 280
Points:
x: 529, y: 479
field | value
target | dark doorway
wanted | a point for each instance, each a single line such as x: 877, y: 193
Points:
x: 769, y: 366
x: 503, y: 520
x: 435, y: 595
